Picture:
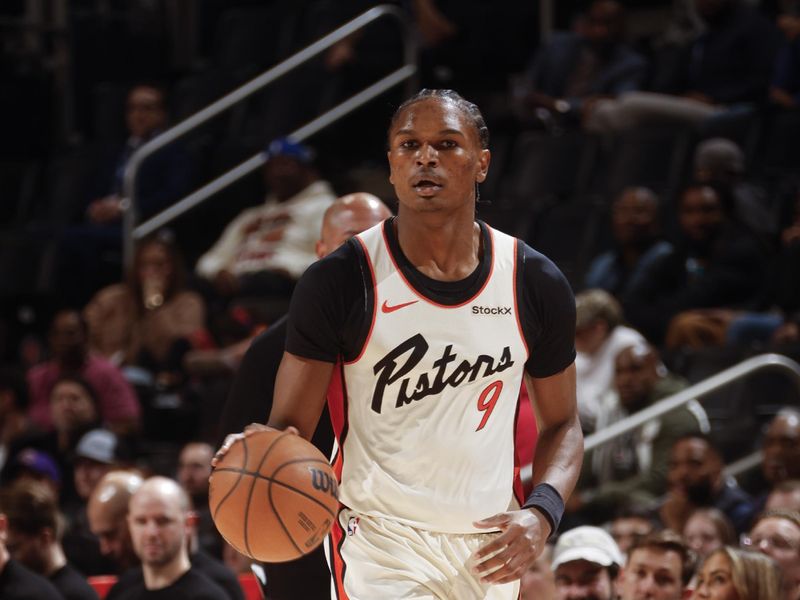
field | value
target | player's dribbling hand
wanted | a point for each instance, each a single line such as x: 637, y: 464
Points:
x: 507, y: 557
x: 232, y: 438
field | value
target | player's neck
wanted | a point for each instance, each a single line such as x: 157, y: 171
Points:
x: 157, y: 577
x: 445, y: 249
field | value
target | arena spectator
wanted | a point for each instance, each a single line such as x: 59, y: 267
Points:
x: 696, y: 480
x: 13, y: 410
x: 159, y: 509
x: 17, y: 582
x: 194, y: 469
x: 538, y: 582
x: 781, y: 448
x: 35, y: 527
x: 734, y: 574
x: 599, y: 336
x: 785, y: 495
x: 265, y: 249
x: 117, y: 402
x: 637, y: 242
x: 633, y: 467
x: 708, y: 529
x: 573, y: 69
x: 725, y: 71
x: 777, y: 534
x: 717, y: 263
x: 150, y: 320
x: 659, y: 567
x: 630, y: 525
x: 586, y: 562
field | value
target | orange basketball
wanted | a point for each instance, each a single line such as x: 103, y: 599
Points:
x: 273, y: 496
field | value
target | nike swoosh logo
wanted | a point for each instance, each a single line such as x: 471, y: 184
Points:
x: 385, y: 308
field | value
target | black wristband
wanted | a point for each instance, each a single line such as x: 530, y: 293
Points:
x: 546, y: 499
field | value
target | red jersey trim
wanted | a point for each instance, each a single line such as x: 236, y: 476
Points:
x: 514, y: 292
x: 337, y: 566
x: 374, y: 303
x: 422, y: 296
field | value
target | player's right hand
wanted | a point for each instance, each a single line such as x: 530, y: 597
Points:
x: 232, y: 438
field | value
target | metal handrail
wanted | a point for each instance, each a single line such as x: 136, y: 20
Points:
x: 694, y: 392
x: 409, y: 69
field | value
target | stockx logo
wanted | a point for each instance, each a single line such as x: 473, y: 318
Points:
x: 491, y: 310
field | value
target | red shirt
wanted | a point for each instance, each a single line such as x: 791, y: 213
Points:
x: 116, y: 398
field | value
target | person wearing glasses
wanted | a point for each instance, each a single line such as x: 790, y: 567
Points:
x: 776, y: 533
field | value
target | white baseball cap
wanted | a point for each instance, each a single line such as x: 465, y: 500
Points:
x: 587, y: 543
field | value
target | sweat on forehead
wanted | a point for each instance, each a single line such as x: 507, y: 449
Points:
x: 470, y: 111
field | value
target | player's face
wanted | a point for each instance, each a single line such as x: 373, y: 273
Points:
x: 158, y: 528
x: 583, y: 580
x: 435, y: 158
x: 652, y: 574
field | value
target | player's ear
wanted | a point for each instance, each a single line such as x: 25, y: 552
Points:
x: 483, y: 165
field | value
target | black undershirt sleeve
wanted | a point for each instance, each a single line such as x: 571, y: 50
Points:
x: 547, y: 312
x: 330, y: 309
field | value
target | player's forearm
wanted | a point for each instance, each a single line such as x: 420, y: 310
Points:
x: 559, y: 455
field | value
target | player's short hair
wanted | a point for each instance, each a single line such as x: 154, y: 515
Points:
x: 469, y: 109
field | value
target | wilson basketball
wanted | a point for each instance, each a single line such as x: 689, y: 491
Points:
x: 273, y: 496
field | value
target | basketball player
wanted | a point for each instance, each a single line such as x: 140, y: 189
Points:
x: 420, y: 331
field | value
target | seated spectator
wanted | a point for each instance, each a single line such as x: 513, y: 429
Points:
x: 96, y: 455
x: 586, y: 562
x: 781, y: 448
x: 716, y: 263
x: 696, y: 480
x: 706, y: 530
x: 630, y: 525
x: 163, y: 178
x: 777, y: 534
x: 637, y: 242
x: 31, y: 464
x: 633, y: 467
x: 194, y: 469
x: 73, y: 412
x: 160, y: 509
x: 726, y: 71
x: 117, y: 403
x: 13, y: 410
x: 599, y: 336
x: 659, y: 566
x: 148, y: 321
x: 721, y: 161
x: 109, y: 520
x: 35, y: 527
x: 91, y: 252
x: 264, y: 250
x: 539, y: 582
x: 572, y: 70
x: 785, y: 88
x: 734, y: 574
x: 107, y: 511
x: 785, y: 495
x: 17, y: 582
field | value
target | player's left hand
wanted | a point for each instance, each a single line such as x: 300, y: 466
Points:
x: 507, y: 557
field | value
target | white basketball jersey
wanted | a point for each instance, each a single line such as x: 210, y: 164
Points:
x: 428, y: 407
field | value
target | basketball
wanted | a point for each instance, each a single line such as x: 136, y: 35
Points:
x: 273, y: 496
